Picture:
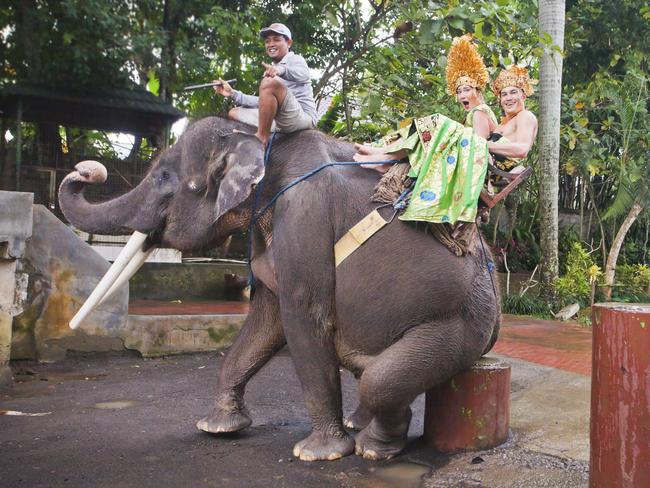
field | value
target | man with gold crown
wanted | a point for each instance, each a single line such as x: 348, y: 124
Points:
x: 514, y: 137
x: 447, y: 159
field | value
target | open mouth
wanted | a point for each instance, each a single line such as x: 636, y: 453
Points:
x: 465, y: 104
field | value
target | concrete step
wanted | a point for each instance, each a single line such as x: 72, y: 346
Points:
x: 161, y: 335
x: 164, y: 327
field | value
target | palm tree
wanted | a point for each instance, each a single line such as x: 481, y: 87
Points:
x: 629, y: 133
x: 551, y: 29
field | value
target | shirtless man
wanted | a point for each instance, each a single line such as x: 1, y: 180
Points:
x: 285, y: 93
x: 518, y: 128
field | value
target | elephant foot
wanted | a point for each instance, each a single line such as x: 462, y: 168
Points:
x: 359, y: 419
x: 324, y: 447
x: 228, y: 415
x: 383, y: 440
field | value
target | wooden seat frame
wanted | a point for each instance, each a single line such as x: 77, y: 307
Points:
x: 512, y: 181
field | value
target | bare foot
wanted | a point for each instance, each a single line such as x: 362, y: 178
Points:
x: 381, y: 168
x: 264, y: 139
x: 363, y: 149
x: 373, y: 158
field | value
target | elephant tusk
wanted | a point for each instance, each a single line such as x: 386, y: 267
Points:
x: 130, y: 249
x: 134, y: 265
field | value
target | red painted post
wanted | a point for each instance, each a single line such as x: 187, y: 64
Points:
x: 620, y: 397
x: 471, y: 411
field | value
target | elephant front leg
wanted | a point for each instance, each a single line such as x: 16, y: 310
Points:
x: 317, y: 366
x: 260, y: 338
x: 304, y: 259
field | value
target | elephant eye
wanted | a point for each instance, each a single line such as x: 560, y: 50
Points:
x: 164, y: 175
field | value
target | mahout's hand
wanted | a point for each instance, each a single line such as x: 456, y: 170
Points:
x: 270, y: 71
x: 224, y: 89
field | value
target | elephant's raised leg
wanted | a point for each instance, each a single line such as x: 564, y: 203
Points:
x: 260, y: 338
x: 427, y: 355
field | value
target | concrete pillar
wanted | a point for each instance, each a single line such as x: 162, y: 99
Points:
x: 16, y: 221
x: 620, y: 396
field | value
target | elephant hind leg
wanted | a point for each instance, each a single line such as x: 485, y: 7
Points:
x: 359, y: 419
x: 260, y: 338
x: 425, y: 356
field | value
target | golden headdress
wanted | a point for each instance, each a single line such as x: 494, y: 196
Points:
x: 513, y: 76
x: 465, y: 65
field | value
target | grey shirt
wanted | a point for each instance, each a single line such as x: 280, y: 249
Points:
x: 294, y: 73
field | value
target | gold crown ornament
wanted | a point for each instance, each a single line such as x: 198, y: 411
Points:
x: 513, y: 76
x: 465, y: 65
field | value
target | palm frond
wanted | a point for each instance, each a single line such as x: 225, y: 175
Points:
x: 624, y: 199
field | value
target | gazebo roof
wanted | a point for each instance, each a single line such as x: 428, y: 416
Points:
x: 134, y: 110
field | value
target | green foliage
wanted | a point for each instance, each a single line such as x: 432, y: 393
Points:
x: 406, y: 76
x: 66, y: 43
x: 598, y: 31
x: 526, y: 305
x: 334, y: 112
x: 568, y: 239
x: 576, y: 283
x: 632, y: 283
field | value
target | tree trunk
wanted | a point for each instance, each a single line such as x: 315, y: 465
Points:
x: 27, y: 26
x: 551, y: 22
x: 612, y: 257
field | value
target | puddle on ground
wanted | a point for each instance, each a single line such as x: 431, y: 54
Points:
x: 395, y: 475
x: 115, y: 405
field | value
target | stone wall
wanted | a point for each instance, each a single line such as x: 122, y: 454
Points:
x: 15, y: 229
x: 63, y: 270
x: 186, y: 281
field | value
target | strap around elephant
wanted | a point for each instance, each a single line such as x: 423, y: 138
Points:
x: 366, y: 228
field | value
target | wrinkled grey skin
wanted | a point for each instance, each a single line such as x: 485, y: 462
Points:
x: 402, y: 313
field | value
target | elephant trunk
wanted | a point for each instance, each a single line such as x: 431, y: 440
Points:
x: 138, y: 209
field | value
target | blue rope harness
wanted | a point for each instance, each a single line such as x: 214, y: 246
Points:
x: 258, y: 189
x: 309, y: 175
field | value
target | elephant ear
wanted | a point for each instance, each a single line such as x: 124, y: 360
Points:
x: 243, y: 169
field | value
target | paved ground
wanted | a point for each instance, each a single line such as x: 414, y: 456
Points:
x: 122, y: 421
x: 565, y: 346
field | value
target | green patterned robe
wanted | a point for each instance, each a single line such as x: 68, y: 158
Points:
x: 449, y: 162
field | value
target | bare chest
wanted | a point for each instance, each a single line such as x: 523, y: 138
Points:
x: 507, y: 129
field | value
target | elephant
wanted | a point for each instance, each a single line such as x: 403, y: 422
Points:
x: 402, y: 313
